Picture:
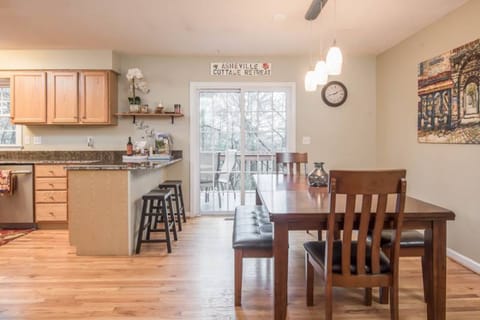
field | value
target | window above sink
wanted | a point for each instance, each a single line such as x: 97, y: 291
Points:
x: 10, y: 134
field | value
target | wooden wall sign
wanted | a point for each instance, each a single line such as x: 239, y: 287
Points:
x: 250, y: 69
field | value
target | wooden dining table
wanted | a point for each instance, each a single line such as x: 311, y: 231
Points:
x: 293, y: 205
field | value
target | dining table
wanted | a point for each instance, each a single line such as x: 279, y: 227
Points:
x: 294, y: 205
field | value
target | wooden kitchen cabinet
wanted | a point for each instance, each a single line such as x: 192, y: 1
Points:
x: 74, y: 97
x: 50, y: 193
x: 29, y: 97
x: 62, y: 97
x: 98, y: 97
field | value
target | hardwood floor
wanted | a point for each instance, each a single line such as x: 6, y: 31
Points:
x: 42, y: 278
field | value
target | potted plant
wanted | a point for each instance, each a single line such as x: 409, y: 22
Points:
x: 135, y: 77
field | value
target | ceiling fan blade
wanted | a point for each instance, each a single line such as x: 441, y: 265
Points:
x: 314, y: 9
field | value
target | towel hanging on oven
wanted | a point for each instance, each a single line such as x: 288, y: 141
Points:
x: 7, y: 183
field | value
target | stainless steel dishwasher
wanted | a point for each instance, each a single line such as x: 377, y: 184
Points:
x: 16, y: 211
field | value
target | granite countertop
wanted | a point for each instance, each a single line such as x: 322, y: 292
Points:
x: 48, y: 161
x: 119, y: 165
x: 84, y: 160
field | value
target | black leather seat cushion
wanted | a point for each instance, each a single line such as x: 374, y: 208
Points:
x: 409, y: 239
x: 252, y: 228
x: 316, y: 249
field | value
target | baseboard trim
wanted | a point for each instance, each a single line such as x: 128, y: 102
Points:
x: 463, y: 260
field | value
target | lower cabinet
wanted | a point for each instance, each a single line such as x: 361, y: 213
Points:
x: 50, y: 193
x: 51, y: 212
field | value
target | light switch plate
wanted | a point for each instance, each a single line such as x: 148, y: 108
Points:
x: 26, y: 139
x: 37, y: 140
x: 306, y: 140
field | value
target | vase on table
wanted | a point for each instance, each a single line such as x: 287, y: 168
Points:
x: 318, y: 177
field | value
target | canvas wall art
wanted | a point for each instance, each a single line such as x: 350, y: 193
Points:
x: 448, y: 96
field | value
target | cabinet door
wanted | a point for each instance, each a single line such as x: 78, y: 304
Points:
x: 51, y: 212
x: 46, y: 170
x: 94, y: 97
x: 29, y: 97
x: 62, y: 97
x: 43, y: 196
x: 51, y: 184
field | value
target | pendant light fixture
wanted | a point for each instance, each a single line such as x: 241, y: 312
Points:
x: 334, y: 60
x: 321, y: 73
x: 334, y: 56
x: 310, y: 81
x: 310, y: 77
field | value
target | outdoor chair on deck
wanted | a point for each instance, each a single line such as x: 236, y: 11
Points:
x: 223, y: 178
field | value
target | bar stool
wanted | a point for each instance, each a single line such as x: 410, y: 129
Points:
x: 151, y: 211
x: 176, y: 186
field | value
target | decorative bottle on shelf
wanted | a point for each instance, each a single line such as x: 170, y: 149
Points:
x: 129, y: 147
x: 318, y: 177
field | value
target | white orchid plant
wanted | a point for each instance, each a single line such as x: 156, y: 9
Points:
x: 135, y: 77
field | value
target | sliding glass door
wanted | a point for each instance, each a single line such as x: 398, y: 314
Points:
x: 239, y: 130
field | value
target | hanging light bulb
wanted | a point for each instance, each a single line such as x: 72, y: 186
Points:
x: 334, y: 56
x: 310, y: 81
x: 334, y: 60
x: 321, y: 74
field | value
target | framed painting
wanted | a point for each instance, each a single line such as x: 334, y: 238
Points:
x: 448, y: 96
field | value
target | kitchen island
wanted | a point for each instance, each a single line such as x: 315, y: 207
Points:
x: 104, y: 204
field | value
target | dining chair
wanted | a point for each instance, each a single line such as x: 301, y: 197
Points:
x: 412, y: 244
x: 210, y: 165
x: 290, y: 162
x: 363, y: 197
x: 225, y: 176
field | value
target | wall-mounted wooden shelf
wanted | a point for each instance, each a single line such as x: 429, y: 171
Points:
x: 172, y: 116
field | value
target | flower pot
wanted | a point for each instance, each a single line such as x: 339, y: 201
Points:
x: 134, y: 108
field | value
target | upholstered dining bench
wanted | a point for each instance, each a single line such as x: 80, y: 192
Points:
x: 252, y: 238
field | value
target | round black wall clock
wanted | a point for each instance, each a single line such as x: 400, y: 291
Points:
x: 334, y: 93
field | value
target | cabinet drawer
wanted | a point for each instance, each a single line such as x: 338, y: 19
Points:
x: 50, y: 171
x: 51, y: 184
x: 51, y: 212
x: 50, y: 196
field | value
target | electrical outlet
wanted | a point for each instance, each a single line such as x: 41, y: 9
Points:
x: 90, y: 142
x: 306, y: 140
x: 37, y: 140
x: 26, y: 140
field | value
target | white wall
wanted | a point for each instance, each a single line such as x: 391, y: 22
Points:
x: 342, y: 137
x: 446, y: 175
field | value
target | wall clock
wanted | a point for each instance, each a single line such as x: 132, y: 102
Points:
x: 334, y: 93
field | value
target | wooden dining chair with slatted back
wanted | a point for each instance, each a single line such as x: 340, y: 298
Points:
x: 363, y: 199
x: 412, y: 244
x: 290, y: 163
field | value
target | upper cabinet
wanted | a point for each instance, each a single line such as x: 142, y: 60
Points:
x: 62, y: 97
x: 98, y: 97
x: 29, y: 97
x: 69, y: 97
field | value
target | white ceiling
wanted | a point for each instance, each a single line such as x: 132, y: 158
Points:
x: 206, y: 27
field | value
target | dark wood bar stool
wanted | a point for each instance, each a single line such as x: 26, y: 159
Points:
x: 176, y: 186
x: 155, y: 208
